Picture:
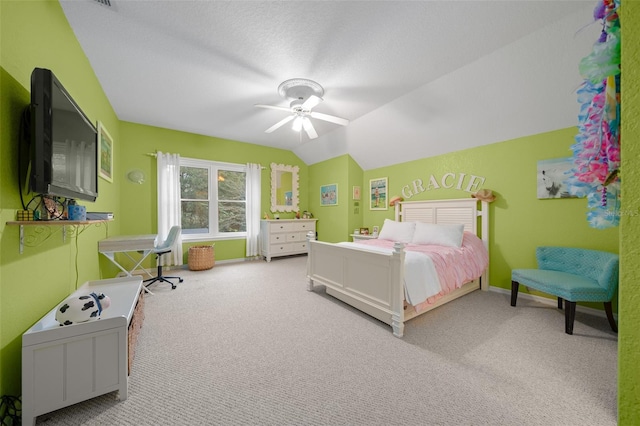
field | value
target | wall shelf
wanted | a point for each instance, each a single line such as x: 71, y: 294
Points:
x: 46, y: 228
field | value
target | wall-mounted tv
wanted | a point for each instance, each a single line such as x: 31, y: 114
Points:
x: 64, y: 143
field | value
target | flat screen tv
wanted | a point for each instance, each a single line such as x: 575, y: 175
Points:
x: 64, y: 143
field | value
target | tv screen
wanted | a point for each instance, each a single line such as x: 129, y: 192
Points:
x: 64, y: 143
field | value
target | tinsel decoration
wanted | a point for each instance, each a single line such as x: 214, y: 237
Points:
x: 596, y: 151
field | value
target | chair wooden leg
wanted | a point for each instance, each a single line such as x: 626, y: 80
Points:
x: 559, y: 302
x: 569, y: 316
x: 514, y: 292
x: 609, y: 311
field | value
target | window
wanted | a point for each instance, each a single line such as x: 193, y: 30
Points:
x: 213, y: 199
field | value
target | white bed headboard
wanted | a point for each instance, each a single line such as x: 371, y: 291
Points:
x: 455, y: 211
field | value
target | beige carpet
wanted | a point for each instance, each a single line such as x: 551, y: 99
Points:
x: 248, y: 344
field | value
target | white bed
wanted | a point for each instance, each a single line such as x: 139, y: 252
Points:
x: 373, y: 282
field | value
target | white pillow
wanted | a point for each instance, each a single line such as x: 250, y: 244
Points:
x: 438, y: 234
x: 397, y: 231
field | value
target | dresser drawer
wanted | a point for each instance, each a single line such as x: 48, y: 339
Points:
x: 278, y: 238
x: 284, y: 237
x: 299, y: 247
x: 295, y: 236
x: 304, y: 226
x: 279, y: 249
x: 282, y: 227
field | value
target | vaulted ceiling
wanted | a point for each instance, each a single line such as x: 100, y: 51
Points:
x: 415, y: 78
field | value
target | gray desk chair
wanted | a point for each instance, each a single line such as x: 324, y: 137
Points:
x: 161, y: 249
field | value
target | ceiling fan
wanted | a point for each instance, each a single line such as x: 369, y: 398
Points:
x: 304, y: 95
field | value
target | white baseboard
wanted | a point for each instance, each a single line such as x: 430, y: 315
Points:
x: 553, y: 302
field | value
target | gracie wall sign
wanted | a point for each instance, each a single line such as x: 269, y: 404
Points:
x: 461, y: 181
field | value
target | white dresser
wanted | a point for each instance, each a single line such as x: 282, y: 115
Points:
x: 283, y: 237
x: 63, y: 365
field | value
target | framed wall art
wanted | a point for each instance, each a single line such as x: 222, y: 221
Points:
x: 105, y: 153
x: 378, y: 194
x: 552, y: 176
x: 329, y: 195
x: 356, y: 193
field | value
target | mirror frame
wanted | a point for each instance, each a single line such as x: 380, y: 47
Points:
x: 275, y: 168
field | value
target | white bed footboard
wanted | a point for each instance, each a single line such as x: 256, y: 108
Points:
x: 373, y: 282
x: 369, y: 281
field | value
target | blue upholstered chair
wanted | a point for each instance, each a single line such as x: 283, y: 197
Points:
x: 572, y: 274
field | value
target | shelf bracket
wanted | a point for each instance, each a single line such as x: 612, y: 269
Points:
x: 29, y: 240
x: 21, y: 239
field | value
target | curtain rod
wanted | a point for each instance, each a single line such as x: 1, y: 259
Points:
x: 155, y: 154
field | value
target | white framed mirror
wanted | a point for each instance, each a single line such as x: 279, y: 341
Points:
x: 284, y: 188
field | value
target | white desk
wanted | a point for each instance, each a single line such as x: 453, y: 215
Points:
x: 127, y: 245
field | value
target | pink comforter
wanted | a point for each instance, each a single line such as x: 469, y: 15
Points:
x: 454, y: 266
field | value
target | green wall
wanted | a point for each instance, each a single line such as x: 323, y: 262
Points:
x: 333, y: 221
x: 139, y: 201
x: 355, y: 207
x: 49, y: 269
x: 519, y: 221
x: 37, y: 34
x: 629, y: 312
x: 30, y: 284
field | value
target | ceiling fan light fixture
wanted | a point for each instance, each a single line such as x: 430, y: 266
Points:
x: 308, y: 127
x: 303, y: 96
x: 300, y: 88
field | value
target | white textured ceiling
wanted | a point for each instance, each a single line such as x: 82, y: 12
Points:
x: 416, y: 78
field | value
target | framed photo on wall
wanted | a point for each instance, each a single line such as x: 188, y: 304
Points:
x: 552, y: 177
x: 356, y: 193
x: 378, y: 194
x: 329, y: 195
x: 105, y: 153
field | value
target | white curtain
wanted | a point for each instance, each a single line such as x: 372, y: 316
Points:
x: 254, y: 172
x: 169, y: 211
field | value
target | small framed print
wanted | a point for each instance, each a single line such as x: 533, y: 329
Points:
x: 375, y: 230
x: 364, y: 231
x: 552, y: 178
x: 329, y: 195
x: 356, y: 193
x: 378, y: 194
x: 105, y: 153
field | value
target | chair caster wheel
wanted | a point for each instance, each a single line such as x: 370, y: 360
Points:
x: 173, y: 287
x: 180, y: 280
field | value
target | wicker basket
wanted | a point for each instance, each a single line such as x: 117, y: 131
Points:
x: 201, y: 258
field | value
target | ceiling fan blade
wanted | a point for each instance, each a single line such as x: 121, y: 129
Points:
x: 279, y: 124
x: 308, y: 127
x: 330, y: 118
x: 311, y: 102
x: 279, y: 108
